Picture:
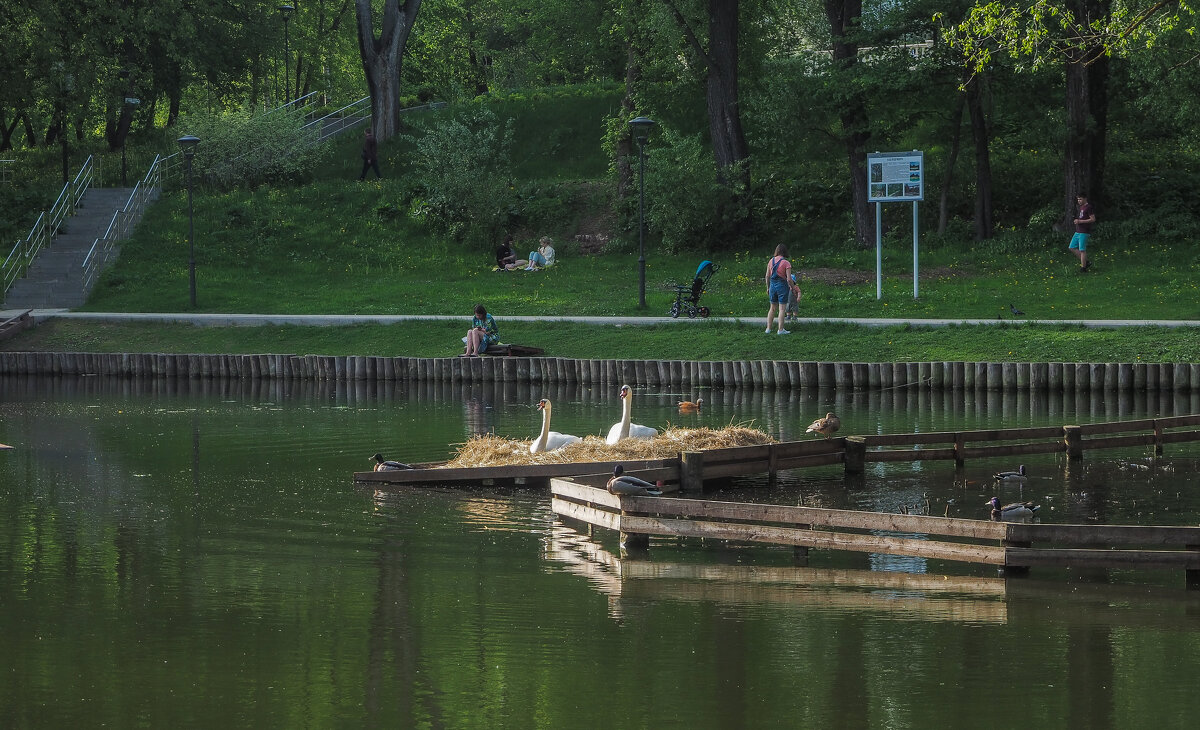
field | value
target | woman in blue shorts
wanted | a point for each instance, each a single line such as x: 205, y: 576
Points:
x: 779, y: 283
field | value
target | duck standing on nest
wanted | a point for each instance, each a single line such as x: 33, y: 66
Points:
x: 826, y: 426
x: 1015, y: 512
x: 630, y: 486
x: 687, y: 406
x: 382, y: 465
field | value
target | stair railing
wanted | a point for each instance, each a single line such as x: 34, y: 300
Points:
x: 47, y: 225
x: 144, y: 192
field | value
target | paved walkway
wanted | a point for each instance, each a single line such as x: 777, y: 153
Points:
x: 251, y: 320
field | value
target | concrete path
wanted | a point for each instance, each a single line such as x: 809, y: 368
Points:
x: 325, y: 320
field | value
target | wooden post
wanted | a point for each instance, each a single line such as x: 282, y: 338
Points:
x: 691, y: 471
x: 1158, y: 434
x: 772, y: 460
x: 1074, y: 441
x: 1191, y: 579
x: 856, y: 454
x: 960, y: 447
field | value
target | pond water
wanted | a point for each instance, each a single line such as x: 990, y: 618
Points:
x: 195, y: 554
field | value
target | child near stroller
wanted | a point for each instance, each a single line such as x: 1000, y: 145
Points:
x: 793, y: 303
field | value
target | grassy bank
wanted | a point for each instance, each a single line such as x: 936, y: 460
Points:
x: 676, y: 341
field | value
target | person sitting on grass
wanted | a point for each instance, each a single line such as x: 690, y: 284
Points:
x: 483, y: 332
x: 543, y: 257
x: 506, y: 258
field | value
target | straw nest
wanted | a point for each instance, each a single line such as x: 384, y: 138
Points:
x: 493, y: 450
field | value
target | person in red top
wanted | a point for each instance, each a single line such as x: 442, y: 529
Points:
x: 779, y: 283
x: 1083, y: 230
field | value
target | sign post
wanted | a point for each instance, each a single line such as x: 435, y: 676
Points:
x: 894, y: 177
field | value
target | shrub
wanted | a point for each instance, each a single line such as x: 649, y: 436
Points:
x: 463, y: 170
x: 238, y: 147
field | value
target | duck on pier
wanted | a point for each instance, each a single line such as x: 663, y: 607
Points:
x: 383, y: 465
x: 1011, y: 476
x: 687, y: 406
x: 549, y: 440
x: 1015, y: 512
x: 630, y: 486
x: 826, y: 426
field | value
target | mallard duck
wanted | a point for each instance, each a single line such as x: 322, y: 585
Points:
x: 1015, y: 512
x: 826, y: 426
x: 625, y: 429
x: 629, y: 486
x: 687, y: 406
x: 550, y: 440
x: 382, y: 465
x: 1011, y: 476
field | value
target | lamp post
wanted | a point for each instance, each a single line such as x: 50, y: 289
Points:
x: 124, y: 74
x: 286, y: 11
x: 187, y: 144
x: 641, y: 132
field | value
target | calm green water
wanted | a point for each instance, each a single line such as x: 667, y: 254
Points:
x: 196, y: 555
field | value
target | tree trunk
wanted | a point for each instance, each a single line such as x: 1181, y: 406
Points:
x: 1087, y: 113
x: 6, y: 131
x: 30, y: 135
x: 382, y: 58
x: 730, y: 151
x: 983, y: 164
x: 844, y: 15
x: 948, y: 178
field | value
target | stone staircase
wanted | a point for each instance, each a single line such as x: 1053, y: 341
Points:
x: 55, y: 280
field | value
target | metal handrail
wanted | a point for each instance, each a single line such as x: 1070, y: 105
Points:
x: 144, y: 191
x: 294, y: 102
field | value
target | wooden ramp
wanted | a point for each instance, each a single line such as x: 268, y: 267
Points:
x: 1003, y: 544
x: 532, y: 475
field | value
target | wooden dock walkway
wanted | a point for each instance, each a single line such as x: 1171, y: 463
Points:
x: 1006, y: 545
x: 690, y: 470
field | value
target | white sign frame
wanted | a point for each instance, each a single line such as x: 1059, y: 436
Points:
x: 895, y: 177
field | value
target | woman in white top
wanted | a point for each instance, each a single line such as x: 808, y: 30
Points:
x: 542, y: 257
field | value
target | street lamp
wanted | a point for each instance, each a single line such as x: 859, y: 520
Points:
x: 641, y: 132
x: 187, y: 144
x: 286, y: 11
x: 124, y: 74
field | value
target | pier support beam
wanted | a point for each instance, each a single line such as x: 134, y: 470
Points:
x: 691, y: 471
x: 1074, y: 441
x: 856, y: 454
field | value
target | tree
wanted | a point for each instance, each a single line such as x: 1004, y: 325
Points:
x: 844, y: 22
x: 382, y: 58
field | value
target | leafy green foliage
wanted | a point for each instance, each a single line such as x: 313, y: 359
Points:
x: 242, y: 148
x: 464, y: 170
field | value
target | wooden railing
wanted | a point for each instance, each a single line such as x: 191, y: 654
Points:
x: 1003, y: 544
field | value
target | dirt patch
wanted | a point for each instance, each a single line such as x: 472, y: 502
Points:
x: 850, y: 277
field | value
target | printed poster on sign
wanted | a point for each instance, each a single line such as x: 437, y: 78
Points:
x: 895, y: 177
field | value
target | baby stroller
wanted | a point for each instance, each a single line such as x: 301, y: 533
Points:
x: 687, y: 296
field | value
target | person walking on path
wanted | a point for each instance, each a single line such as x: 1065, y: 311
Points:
x: 1083, y: 230
x: 779, y: 283
x: 370, y: 155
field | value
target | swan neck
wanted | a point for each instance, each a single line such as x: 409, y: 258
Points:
x: 626, y: 414
x: 545, y: 423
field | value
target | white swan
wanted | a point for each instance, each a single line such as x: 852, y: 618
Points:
x: 549, y: 440
x: 625, y: 429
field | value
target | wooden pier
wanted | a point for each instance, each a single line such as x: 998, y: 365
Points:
x: 690, y: 470
x: 1006, y: 545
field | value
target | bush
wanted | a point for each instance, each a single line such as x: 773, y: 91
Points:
x: 239, y: 147
x: 463, y: 171
x: 684, y: 202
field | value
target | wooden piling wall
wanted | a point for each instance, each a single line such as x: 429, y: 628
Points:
x: 977, y: 376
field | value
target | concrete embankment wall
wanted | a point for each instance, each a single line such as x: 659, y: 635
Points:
x: 1008, y: 376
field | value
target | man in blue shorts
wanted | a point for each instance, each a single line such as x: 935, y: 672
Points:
x: 1083, y: 231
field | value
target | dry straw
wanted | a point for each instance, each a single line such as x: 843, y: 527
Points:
x: 496, y: 451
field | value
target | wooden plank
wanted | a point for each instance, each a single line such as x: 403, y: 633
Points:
x: 791, y: 449
x: 563, y: 488
x: 716, y: 471
x: 1104, y: 534
x: 979, y: 452
x: 1179, y: 437
x: 940, y: 437
x: 803, y: 461
x: 889, y: 455
x: 583, y: 513
x: 818, y: 517
x: 476, y: 473
x: 1143, y: 424
x: 990, y: 555
x: 1178, y: 421
x: 1114, y: 442
x: 1034, y: 557
x: 758, y: 452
